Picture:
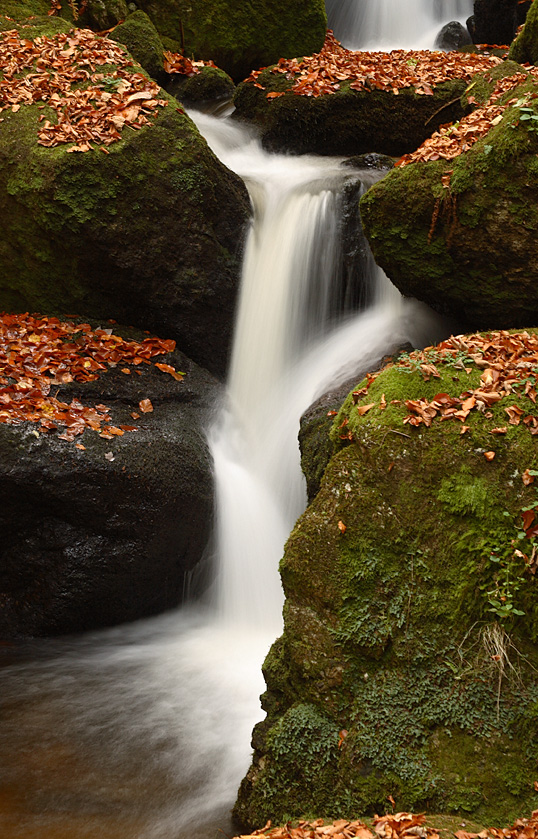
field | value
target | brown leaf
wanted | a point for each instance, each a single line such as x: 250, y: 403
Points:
x: 145, y: 406
x: 489, y: 455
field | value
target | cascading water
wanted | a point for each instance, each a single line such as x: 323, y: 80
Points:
x: 387, y: 24
x: 143, y: 731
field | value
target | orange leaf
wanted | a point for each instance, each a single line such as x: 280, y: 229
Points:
x: 145, y: 406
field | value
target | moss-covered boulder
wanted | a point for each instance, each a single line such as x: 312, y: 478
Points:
x: 139, y: 35
x: 147, y: 230
x: 408, y: 663
x: 525, y: 47
x: 239, y: 36
x: 211, y: 84
x: 347, y: 122
x: 110, y: 526
x: 461, y: 234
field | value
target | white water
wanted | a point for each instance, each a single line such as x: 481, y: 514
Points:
x: 389, y: 24
x: 143, y: 731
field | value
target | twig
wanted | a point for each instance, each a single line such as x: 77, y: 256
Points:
x: 446, y: 105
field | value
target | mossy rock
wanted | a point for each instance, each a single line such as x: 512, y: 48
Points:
x: 150, y: 233
x: 386, y: 679
x: 348, y: 122
x: 239, y: 36
x: 525, y: 47
x: 211, y: 84
x: 142, y: 40
x: 468, y: 249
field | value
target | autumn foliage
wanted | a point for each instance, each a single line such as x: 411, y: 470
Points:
x: 509, y: 362
x: 62, y: 72
x: 396, y: 826
x: 452, y: 140
x: 325, y: 72
x: 39, y: 354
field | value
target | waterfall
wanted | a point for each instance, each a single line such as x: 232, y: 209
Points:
x: 290, y: 342
x: 387, y: 24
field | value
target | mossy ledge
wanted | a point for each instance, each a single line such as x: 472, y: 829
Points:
x: 347, y: 122
x: 466, y: 249
x: 386, y: 680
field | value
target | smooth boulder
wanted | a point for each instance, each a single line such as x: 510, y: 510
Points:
x: 116, y: 530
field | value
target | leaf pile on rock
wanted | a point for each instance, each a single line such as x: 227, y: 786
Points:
x: 452, y: 140
x: 89, y: 106
x: 395, y: 826
x: 509, y: 362
x: 37, y: 353
x: 174, y: 62
x: 325, y: 71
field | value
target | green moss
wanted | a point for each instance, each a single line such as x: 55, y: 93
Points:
x: 399, y: 600
x: 210, y: 84
x: 348, y: 122
x: 525, y: 47
x: 142, y: 40
x: 431, y: 240
x: 240, y: 37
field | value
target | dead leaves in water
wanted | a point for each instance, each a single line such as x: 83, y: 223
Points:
x: 40, y: 354
x: 324, y: 72
x: 62, y: 72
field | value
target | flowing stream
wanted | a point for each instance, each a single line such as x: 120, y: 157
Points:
x: 142, y: 731
x: 388, y: 24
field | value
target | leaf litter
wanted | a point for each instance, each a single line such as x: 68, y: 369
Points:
x: 324, y: 72
x: 395, y: 826
x: 63, y: 72
x: 39, y: 353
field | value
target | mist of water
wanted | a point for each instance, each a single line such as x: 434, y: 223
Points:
x: 390, y: 24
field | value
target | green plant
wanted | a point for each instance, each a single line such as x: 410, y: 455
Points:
x: 530, y: 116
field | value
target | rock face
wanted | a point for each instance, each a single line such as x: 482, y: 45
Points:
x: 496, y: 21
x: 348, y: 122
x: 525, y: 47
x: 466, y: 249
x: 385, y: 681
x: 114, y: 532
x: 150, y: 233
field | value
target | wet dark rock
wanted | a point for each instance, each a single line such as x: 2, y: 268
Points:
x: 370, y: 161
x: 115, y: 532
x: 496, y: 21
x: 452, y: 36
